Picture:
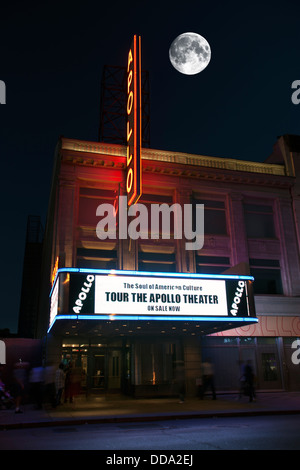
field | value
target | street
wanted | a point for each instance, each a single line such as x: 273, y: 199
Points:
x: 238, y: 433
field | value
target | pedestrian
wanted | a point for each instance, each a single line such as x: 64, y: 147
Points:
x: 73, y: 382
x: 59, y: 383
x: 36, y: 380
x: 208, y: 379
x: 49, y: 390
x: 19, y: 383
x: 180, y: 380
x: 249, y: 381
x: 6, y: 400
x: 242, y: 379
x: 68, y: 383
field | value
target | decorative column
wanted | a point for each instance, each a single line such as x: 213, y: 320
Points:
x: 192, y: 362
x: 237, y: 228
x: 290, y: 266
x: 185, y: 258
x: 65, y: 224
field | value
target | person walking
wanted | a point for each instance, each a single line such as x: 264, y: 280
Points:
x: 49, y: 389
x: 249, y: 381
x: 242, y: 379
x: 19, y: 383
x: 208, y: 379
x: 36, y: 380
x: 59, y: 383
x: 180, y: 379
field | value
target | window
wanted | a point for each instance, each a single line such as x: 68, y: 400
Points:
x: 245, y: 341
x: 267, y: 276
x: 160, y: 262
x: 289, y: 340
x: 212, y: 264
x: 214, y: 216
x: 97, y: 259
x: 163, y: 212
x: 89, y: 200
x: 259, y: 221
x: 160, y: 258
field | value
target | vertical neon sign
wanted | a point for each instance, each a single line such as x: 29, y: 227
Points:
x: 134, y: 122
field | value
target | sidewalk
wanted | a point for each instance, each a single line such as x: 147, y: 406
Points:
x: 111, y: 409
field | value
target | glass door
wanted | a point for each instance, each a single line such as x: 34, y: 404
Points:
x: 98, y: 372
x: 114, y: 370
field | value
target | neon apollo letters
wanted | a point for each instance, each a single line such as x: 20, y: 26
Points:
x: 134, y: 122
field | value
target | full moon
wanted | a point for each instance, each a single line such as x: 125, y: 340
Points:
x: 190, y: 53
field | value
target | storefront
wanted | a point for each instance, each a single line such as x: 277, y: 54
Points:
x: 272, y: 345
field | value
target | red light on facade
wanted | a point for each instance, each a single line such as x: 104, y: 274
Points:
x: 55, y: 269
x: 134, y: 122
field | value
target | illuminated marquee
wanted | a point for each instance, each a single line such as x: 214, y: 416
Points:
x: 134, y: 122
x: 132, y: 295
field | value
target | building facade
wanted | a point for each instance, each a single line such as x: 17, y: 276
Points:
x: 251, y: 228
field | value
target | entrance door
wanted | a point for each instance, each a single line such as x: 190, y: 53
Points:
x: 114, y: 370
x: 105, y: 371
x: 98, y: 372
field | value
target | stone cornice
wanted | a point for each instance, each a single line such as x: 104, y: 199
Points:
x: 97, y: 154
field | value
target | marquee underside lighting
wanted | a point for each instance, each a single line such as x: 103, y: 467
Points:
x: 231, y: 322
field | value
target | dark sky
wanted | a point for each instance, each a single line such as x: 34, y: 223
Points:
x: 51, y: 60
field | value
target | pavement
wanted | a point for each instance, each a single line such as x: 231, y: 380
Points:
x: 116, y: 408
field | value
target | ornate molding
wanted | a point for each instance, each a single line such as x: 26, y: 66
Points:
x: 213, y: 162
x: 97, y: 154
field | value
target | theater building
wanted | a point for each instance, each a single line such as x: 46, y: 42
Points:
x: 128, y: 310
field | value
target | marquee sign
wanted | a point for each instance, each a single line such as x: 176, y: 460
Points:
x: 136, y: 295
x: 134, y: 122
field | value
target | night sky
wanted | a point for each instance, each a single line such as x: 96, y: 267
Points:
x: 51, y: 59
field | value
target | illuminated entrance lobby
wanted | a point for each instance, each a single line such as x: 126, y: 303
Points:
x: 131, y: 312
